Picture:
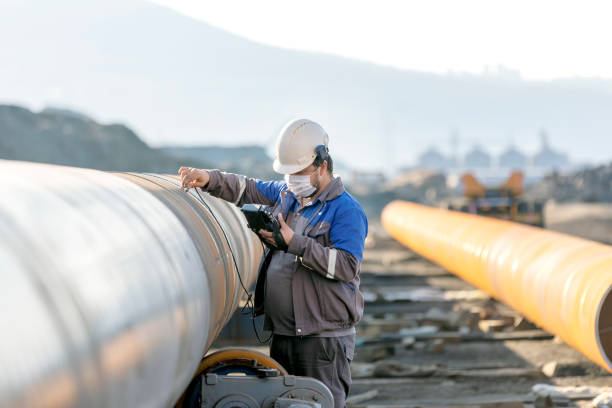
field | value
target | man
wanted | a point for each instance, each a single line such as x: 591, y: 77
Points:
x: 308, y: 285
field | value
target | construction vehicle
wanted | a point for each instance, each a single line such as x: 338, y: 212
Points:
x: 505, y: 201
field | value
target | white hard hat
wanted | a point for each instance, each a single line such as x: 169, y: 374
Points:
x: 296, y: 144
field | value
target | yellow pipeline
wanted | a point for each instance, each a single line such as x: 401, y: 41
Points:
x: 560, y: 282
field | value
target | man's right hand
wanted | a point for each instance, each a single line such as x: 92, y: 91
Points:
x: 192, y: 177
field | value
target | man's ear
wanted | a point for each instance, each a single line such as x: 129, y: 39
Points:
x: 323, y: 167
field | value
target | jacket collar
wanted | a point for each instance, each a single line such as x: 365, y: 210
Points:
x: 333, y: 190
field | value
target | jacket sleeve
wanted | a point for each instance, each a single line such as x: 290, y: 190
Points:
x: 239, y: 189
x: 342, y: 260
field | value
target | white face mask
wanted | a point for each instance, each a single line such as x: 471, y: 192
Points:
x: 300, y: 185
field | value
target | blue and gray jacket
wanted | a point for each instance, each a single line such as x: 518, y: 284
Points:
x: 328, y: 255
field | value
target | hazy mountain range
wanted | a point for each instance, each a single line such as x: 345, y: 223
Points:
x: 179, y: 81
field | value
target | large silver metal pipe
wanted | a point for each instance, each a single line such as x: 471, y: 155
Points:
x: 112, y: 285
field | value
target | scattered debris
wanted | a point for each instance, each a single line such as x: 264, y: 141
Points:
x: 475, y: 294
x: 549, y: 402
x: 556, y: 369
x: 558, y: 340
x: 397, y: 369
x: 549, y: 369
x: 375, y: 352
x: 569, y: 392
x: 495, y: 325
x: 362, y: 370
x: 366, y: 396
x: 543, y: 402
x: 522, y: 323
x: 436, y: 346
x: 447, y: 320
x: 419, y: 332
x: 603, y: 400
x: 415, y: 294
x: 408, y: 342
x: 485, y: 311
x: 521, y: 335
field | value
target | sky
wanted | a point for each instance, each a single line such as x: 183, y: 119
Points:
x: 538, y: 39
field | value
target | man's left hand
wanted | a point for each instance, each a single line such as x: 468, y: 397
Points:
x: 285, y: 231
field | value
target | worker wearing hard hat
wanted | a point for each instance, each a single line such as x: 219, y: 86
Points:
x: 308, y: 288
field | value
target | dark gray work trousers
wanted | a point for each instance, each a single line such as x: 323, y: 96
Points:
x: 324, y: 358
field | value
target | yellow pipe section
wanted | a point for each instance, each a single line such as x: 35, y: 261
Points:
x: 560, y: 282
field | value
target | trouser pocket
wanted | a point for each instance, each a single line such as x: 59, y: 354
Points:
x: 326, y: 359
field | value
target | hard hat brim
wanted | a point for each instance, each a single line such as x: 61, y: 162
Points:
x: 288, y: 169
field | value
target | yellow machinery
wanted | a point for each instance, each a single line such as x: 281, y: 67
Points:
x: 504, y: 201
x: 560, y: 282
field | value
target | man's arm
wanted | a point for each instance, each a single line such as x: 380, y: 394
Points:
x: 340, y: 262
x: 235, y: 188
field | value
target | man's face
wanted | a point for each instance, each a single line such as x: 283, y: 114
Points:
x: 314, y: 175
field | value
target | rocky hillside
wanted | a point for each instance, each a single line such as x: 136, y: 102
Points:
x: 70, y: 138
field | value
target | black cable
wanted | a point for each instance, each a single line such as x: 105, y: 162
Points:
x: 249, y: 302
x: 227, y: 240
